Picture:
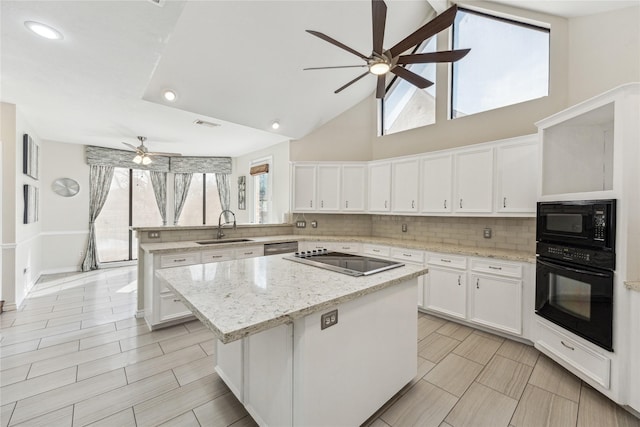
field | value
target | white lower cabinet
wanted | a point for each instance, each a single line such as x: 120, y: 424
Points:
x: 496, y: 302
x: 447, y: 291
x: 410, y: 256
x: 480, y: 291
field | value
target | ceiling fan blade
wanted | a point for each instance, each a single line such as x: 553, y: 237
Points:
x: 336, y: 43
x: 134, y: 148
x: 411, y: 77
x: 338, y: 66
x: 351, y: 82
x: 424, y: 58
x: 159, y: 153
x: 437, y: 24
x: 378, y: 17
x: 380, y: 87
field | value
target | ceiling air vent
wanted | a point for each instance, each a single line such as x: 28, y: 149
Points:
x: 205, y: 123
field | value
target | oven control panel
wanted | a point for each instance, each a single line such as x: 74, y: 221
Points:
x: 572, y: 254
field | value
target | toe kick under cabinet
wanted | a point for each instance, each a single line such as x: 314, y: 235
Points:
x: 480, y: 291
x: 162, y: 307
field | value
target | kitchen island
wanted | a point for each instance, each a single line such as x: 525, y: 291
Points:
x: 275, y: 356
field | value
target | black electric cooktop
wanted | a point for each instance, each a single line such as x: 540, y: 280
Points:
x: 353, y: 265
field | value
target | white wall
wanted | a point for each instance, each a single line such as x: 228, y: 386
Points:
x: 65, y: 220
x: 604, y: 52
x: 280, y: 176
x: 588, y: 55
x: 21, y: 245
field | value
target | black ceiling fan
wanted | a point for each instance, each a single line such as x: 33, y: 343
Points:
x: 382, y: 61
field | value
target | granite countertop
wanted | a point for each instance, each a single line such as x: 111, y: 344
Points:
x: 242, y: 297
x: 408, y: 244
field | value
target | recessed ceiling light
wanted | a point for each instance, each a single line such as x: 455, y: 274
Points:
x: 275, y: 125
x: 43, y: 30
x: 169, y: 95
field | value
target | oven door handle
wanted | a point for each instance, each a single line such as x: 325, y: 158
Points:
x: 575, y: 270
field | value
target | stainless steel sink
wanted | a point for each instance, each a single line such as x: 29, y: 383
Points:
x: 220, y: 241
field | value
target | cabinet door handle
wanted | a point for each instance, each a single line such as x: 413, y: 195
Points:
x: 376, y: 250
x: 310, y: 203
x: 478, y: 283
x: 322, y: 203
x: 567, y: 345
x: 385, y: 204
x: 445, y: 203
x: 177, y: 300
x: 460, y: 203
x: 413, y: 204
x: 407, y: 255
x: 445, y: 260
x: 459, y: 284
x: 216, y: 256
x: 180, y: 260
x: 248, y: 253
x: 504, y: 202
x: 495, y: 268
x: 346, y: 204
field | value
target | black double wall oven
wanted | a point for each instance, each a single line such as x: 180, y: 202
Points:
x: 575, y: 267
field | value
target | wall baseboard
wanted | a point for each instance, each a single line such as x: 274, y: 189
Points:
x: 9, y: 306
x: 59, y: 270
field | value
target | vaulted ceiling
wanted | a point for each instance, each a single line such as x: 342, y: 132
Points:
x: 234, y: 63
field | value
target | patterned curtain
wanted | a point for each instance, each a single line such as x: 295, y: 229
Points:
x: 99, y: 183
x: 224, y: 192
x: 159, y: 184
x: 181, y: 188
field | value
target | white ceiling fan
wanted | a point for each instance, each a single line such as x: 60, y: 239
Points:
x: 143, y: 155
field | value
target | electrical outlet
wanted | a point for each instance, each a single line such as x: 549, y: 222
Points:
x: 301, y: 224
x: 154, y: 234
x: 328, y: 319
x: 404, y: 228
x: 487, y: 233
x: 314, y: 224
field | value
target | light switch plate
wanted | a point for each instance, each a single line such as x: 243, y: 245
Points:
x: 301, y: 224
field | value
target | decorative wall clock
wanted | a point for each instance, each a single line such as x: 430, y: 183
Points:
x: 65, y: 187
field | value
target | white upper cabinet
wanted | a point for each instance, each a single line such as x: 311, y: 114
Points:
x: 516, y: 176
x: 474, y: 181
x: 328, y: 193
x: 405, y: 180
x: 436, y: 184
x: 354, y: 185
x: 304, y: 187
x: 380, y: 187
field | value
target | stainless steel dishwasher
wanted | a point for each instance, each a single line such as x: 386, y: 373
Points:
x: 280, y: 248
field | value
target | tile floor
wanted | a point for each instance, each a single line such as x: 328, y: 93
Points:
x: 74, y: 355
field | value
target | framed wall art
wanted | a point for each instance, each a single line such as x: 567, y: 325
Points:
x: 242, y: 195
x: 29, y: 157
x: 30, y: 204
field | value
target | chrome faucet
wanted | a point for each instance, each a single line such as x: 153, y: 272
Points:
x: 220, y: 233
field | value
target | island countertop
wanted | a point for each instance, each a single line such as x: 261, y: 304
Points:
x: 242, y: 297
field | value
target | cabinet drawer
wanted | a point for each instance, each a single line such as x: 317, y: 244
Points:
x: 249, y: 252
x: 594, y: 365
x: 171, y: 307
x: 176, y: 260
x: 217, y: 255
x: 376, y: 250
x: 408, y: 255
x: 451, y: 261
x: 499, y: 268
x: 344, y: 247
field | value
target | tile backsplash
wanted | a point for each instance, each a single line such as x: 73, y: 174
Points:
x: 517, y: 234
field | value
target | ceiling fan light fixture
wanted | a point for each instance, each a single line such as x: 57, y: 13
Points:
x: 169, y: 95
x: 379, y: 68
x: 146, y: 160
x: 43, y: 30
x: 137, y: 159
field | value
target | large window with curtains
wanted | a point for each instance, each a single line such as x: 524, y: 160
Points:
x: 202, y: 206
x: 130, y: 202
